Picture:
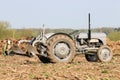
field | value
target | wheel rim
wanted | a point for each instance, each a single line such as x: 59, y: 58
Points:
x: 61, y: 50
x: 105, y: 54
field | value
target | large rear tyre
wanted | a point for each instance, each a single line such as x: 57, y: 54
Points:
x: 104, y: 54
x: 61, y: 48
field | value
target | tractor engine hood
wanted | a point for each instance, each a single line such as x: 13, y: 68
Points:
x: 100, y: 36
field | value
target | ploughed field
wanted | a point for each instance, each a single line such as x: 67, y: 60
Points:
x: 21, y: 67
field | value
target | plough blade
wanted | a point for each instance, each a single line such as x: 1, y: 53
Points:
x: 31, y: 49
x: 15, y: 49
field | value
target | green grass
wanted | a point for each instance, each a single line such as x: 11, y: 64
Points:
x: 115, y: 36
x: 31, y: 76
x: 7, y: 33
x: 105, y: 71
x: 16, y: 34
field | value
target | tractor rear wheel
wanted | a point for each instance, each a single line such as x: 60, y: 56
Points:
x: 61, y: 48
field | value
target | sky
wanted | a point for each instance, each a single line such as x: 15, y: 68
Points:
x: 60, y: 13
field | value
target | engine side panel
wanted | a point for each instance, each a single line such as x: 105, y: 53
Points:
x: 100, y: 36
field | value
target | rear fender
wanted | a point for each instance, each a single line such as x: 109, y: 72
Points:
x: 60, y: 33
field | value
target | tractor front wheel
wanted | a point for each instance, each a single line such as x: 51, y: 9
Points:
x: 104, y: 54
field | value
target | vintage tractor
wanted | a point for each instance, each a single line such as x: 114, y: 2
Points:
x: 61, y: 47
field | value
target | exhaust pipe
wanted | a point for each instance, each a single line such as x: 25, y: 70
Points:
x: 89, y: 25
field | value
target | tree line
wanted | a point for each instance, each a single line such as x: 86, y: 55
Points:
x: 6, y: 31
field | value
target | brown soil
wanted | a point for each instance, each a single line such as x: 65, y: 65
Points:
x: 114, y: 45
x: 21, y: 67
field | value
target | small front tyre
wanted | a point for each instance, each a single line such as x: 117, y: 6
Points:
x: 104, y: 54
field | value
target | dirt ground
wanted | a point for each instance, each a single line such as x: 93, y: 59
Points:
x: 21, y: 67
x: 24, y: 68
